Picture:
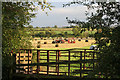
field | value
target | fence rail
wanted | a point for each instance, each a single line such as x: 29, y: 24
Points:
x: 56, y: 62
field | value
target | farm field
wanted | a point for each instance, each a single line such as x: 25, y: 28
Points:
x: 66, y: 45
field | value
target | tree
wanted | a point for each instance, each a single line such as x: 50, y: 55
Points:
x: 30, y: 26
x: 48, y: 33
x: 15, y: 15
x: 75, y: 31
x: 66, y: 33
x: 53, y: 34
x: 55, y: 26
x: 108, y: 39
x: 86, y: 34
x: 37, y: 27
x: 41, y: 34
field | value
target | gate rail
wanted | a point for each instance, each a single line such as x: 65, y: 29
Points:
x: 56, y: 62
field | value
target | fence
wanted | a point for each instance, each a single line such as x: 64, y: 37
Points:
x: 56, y: 62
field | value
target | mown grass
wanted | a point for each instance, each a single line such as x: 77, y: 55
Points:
x: 62, y: 57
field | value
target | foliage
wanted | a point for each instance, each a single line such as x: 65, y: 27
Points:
x: 75, y: 31
x: 108, y: 39
x: 107, y: 23
x: 55, y: 26
x: 15, y: 16
x: 30, y: 26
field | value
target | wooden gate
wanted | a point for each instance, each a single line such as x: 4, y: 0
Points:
x: 56, y: 62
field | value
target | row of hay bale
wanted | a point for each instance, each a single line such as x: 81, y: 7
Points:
x: 39, y: 46
x: 80, y: 40
x: 62, y: 41
x: 76, y: 38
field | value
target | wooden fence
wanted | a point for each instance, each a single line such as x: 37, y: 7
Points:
x: 56, y: 62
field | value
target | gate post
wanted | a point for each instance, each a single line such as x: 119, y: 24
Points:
x: 69, y: 64
x: 47, y: 62
x: 80, y: 64
x: 84, y: 59
x: 58, y: 62
x: 38, y: 58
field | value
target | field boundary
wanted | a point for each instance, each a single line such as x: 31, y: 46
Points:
x: 55, y: 61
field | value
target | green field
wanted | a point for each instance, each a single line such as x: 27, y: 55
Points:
x: 57, y: 31
x: 62, y: 67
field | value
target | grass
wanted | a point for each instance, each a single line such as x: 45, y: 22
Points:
x: 57, y: 31
x: 65, y: 68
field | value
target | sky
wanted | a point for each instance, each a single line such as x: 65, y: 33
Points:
x: 57, y: 16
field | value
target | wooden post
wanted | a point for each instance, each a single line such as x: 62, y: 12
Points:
x: 11, y: 68
x: 24, y: 59
x: 93, y: 59
x: 38, y: 58
x: 80, y: 63
x: 84, y: 59
x: 69, y: 64
x: 58, y: 64
x: 56, y: 61
x: 47, y: 62
x: 19, y: 62
x: 14, y: 63
x: 31, y: 57
x: 28, y: 59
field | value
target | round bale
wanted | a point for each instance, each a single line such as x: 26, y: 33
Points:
x: 79, y: 39
x: 38, y: 42
x: 45, y: 42
x: 53, y: 42
x: 86, y: 40
x: 56, y: 45
x: 38, y: 46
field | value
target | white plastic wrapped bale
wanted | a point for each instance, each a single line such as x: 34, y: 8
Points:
x: 93, y: 47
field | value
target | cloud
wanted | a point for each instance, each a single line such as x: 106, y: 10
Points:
x: 70, y: 10
x: 58, y: 16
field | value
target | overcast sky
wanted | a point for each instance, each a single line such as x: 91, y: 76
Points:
x: 57, y: 16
